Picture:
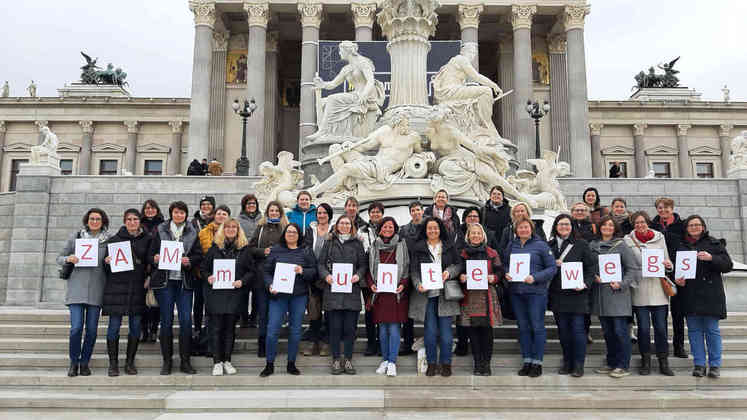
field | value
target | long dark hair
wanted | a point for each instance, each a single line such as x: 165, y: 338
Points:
x: 443, y: 234
x: 596, y: 192
x: 702, y: 221
x: 468, y: 210
x: 284, y: 243
x: 554, y: 230
x: 152, y: 203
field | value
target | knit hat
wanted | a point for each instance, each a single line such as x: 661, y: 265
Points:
x: 208, y: 198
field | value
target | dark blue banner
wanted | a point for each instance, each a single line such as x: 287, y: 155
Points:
x: 330, y: 63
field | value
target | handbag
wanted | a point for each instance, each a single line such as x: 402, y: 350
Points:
x: 67, y: 269
x: 150, y: 299
x: 667, y: 286
x: 453, y: 291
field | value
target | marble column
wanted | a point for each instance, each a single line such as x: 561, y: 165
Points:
x: 683, y: 151
x: 598, y: 169
x: 578, y: 106
x: 3, y: 130
x: 216, y: 143
x: 469, y: 21
x: 84, y: 159
x: 521, y: 20
x: 363, y: 19
x: 506, y: 72
x: 199, y: 113
x: 174, y: 162
x: 724, y: 139
x: 559, y: 97
x: 639, y: 146
x: 271, y: 97
x: 131, y: 150
x: 311, y: 18
x: 258, y: 14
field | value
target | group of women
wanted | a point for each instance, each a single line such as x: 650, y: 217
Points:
x: 312, y: 242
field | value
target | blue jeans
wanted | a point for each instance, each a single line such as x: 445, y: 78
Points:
x: 572, y: 334
x: 81, y: 313
x: 437, y: 326
x: 698, y: 329
x: 617, y: 339
x: 260, y: 306
x: 280, y: 305
x: 389, y: 339
x: 167, y: 297
x: 645, y: 315
x: 115, y: 321
x: 530, y: 316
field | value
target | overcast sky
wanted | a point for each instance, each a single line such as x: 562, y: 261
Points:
x: 152, y: 41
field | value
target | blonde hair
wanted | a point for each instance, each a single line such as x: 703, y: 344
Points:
x: 475, y: 226
x: 220, y: 236
x: 283, y: 218
x: 526, y: 206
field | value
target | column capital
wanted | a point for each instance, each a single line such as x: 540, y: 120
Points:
x: 596, y: 128
x: 573, y: 16
x: 521, y: 16
x: 363, y: 14
x: 258, y: 13
x: 204, y: 11
x: 41, y: 124
x: 132, y: 126
x: 87, y: 126
x: 469, y: 15
x: 506, y: 43
x: 639, y: 129
x: 724, y: 130
x: 220, y: 40
x: 556, y: 44
x: 2, y: 127
x: 273, y: 37
x: 176, y: 126
x: 682, y: 129
x: 310, y: 13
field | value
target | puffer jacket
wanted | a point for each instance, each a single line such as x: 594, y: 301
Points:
x: 302, y: 218
x: 192, y: 250
x: 541, y: 265
x: 226, y: 301
x: 647, y: 291
x: 124, y: 293
x: 206, y: 236
x: 299, y: 256
x: 704, y: 295
x: 347, y: 252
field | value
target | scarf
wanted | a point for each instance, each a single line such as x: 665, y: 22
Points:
x: 273, y: 220
x: 342, y: 238
x: 374, y: 258
x: 102, y: 236
x: 691, y: 240
x: 251, y: 215
x: 619, y: 219
x: 644, y: 237
x: 177, y: 230
x: 476, y: 252
x: 666, y: 222
x: 493, y: 206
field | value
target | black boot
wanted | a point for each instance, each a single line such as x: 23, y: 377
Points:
x: 132, y: 343
x: 268, y: 370
x: 578, y: 370
x: 292, y: 369
x: 112, y: 348
x: 462, y: 346
x: 73, y: 370
x: 261, y: 347
x: 679, y: 351
x: 664, y: 365
x: 185, y: 352
x: 565, y: 369
x: 167, y: 352
x: 645, y: 364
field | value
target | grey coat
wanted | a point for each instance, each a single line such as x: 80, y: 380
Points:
x: 451, y: 262
x: 604, y: 300
x: 86, y: 284
x: 249, y: 224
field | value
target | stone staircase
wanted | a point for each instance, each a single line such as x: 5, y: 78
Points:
x: 33, y: 364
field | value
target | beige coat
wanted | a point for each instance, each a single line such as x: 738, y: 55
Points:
x: 647, y: 291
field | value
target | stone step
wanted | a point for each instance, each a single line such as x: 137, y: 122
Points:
x: 19, y: 361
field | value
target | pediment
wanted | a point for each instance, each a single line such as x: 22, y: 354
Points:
x: 68, y: 148
x: 153, y: 148
x: 108, y: 147
x: 618, y: 150
x: 661, y: 150
x: 17, y: 147
x: 705, y: 151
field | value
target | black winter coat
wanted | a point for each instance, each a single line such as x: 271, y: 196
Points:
x: 584, y: 229
x: 673, y: 233
x: 428, y: 212
x: 704, y: 295
x: 124, y: 292
x: 496, y: 220
x: 192, y: 250
x: 349, y: 252
x: 299, y: 256
x: 569, y: 300
x: 226, y: 301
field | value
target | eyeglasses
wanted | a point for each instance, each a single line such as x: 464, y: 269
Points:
x: 579, y: 210
x: 695, y: 225
x: 94, y: 219
x: 291, y: 232
x: 564, y: 224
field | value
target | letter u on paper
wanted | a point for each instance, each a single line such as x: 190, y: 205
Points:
x: 342, y: 278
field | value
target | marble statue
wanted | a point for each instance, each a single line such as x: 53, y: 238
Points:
x: 47, y: 149
x: 738, y: 159
x: 349, y: 113
x: 726, y: 92
x: 32, y: 89
x: 450, y: 88
x: 279, y: 181
x: 394, y: 145
x: 542, y: 186
x: 6, y: 90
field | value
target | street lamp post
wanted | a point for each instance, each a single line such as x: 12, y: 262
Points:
x: 536, y: 113
x: 245, y: 111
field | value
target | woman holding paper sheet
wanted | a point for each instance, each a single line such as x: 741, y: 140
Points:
x: 85, y: 290
x: 429, y: 305
x: 611, y: 301
x: 342, y: 247
x: 703, y: 298
x: 571, y: 305
x: 650, y: 303
x: 223, y: 305
x: 480, y: 308
x: 175, y: 287
x: 124, y: 293
x: 151, y: 218
x: 289, y: 251
x: 314, y: 239
x: 389, y: 309
x: 529, y: 295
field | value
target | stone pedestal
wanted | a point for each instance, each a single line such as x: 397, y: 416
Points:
x: 677, y: 94
x: 80, y: 90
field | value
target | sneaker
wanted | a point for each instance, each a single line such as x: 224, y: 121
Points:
x: 391, y: 369
x: 348, y: 367
x: 228, y: 368
x: 619, y: 373
x: 714, y: 372
x: 336, y: 368
x: 699, y: 371
x: 382, y: 369
x: 605, y: 370
x: 218, y: 369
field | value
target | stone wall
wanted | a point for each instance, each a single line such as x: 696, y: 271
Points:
x: 7, y: 203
